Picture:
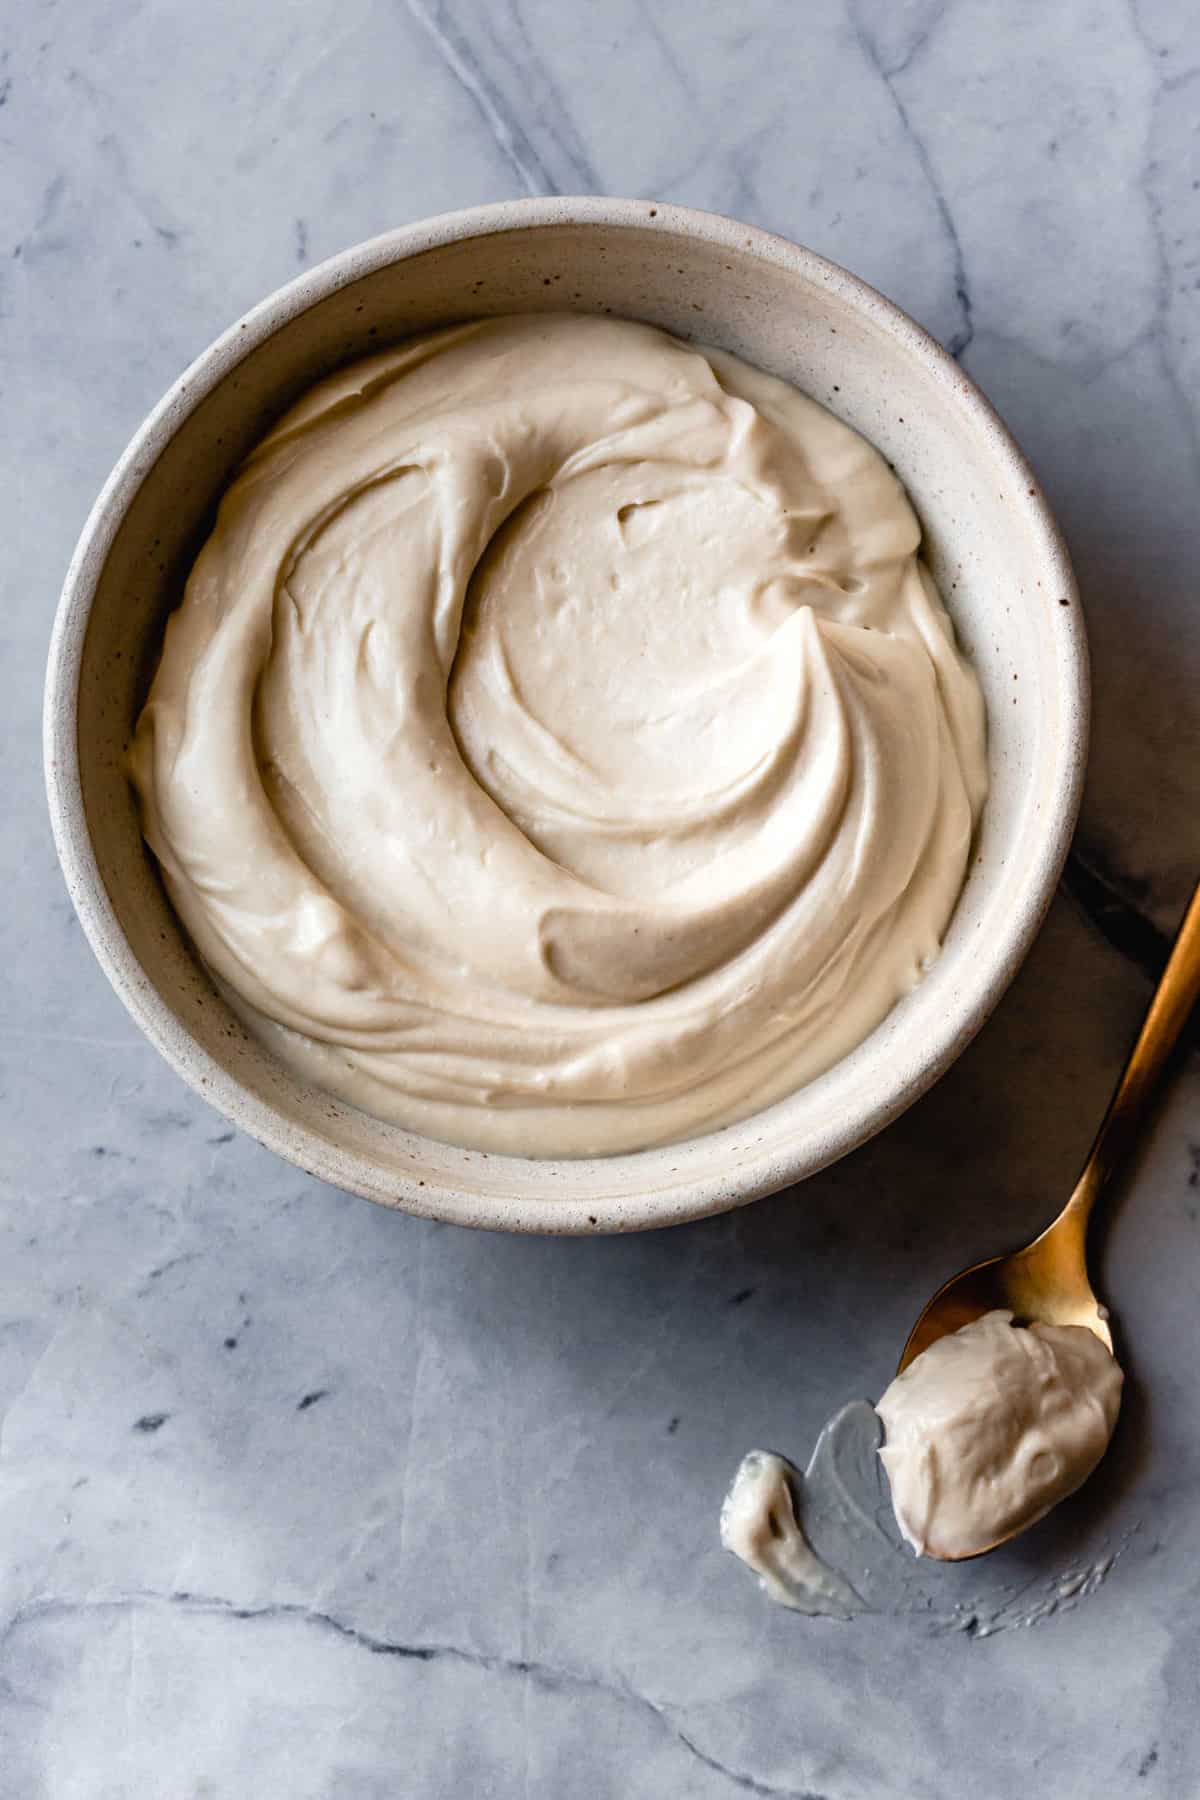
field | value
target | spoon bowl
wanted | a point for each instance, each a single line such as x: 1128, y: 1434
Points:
x: 1047, y: 1281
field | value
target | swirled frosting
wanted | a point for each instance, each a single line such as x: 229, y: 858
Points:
x: 560, y: 747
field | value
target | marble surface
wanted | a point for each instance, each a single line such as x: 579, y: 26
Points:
x: 299, y: 1498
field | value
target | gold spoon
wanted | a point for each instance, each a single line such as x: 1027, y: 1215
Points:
x: 1048, y: 1280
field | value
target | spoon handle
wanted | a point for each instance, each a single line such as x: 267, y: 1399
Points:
x: 1170, y: 1008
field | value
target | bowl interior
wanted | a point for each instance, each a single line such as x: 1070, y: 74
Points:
x: 992, y: 548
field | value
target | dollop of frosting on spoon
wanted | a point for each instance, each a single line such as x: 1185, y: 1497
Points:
x: 993, y: 1425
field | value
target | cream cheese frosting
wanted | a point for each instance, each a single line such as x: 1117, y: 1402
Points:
x: 561, y: 747
x: 993, y: 1425
x: 825, y: 1540
x: 759, y: 1526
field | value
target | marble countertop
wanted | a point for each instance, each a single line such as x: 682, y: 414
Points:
x: 299, y: 1498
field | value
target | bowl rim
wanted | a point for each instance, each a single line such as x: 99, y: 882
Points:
x: 774, y: 1167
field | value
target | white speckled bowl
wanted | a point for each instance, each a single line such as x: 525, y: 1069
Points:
x: 990, y: 538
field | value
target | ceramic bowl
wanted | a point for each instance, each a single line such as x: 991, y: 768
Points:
x: 990, y: 539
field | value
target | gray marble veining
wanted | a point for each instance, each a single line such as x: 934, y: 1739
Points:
x: 298, y: 1498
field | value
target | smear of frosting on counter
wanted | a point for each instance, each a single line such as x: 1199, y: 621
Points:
x: 837, y: 1540
x: 560, y: 747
